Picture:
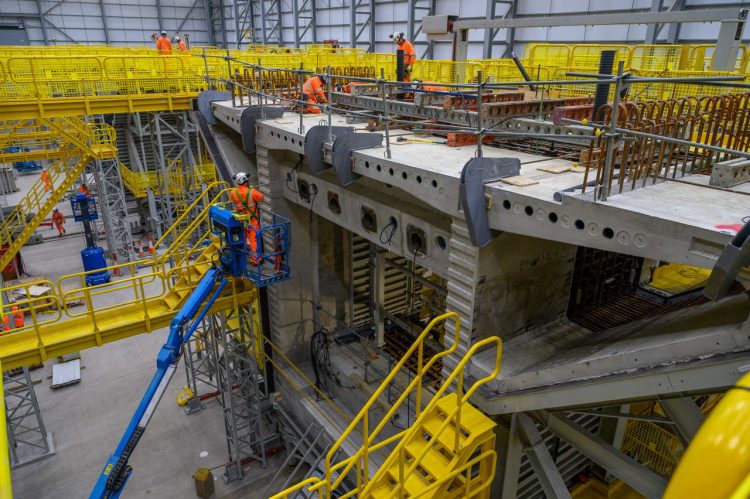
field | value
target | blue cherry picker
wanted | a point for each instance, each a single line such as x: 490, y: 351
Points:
x: 268, y: 267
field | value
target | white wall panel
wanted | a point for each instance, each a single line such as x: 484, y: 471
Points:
x: 133, y: 21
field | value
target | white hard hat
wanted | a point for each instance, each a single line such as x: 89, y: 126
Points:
x: 241, y: 178
x: 163, y: 33
x: 397, y: 35
x: 177, y: 38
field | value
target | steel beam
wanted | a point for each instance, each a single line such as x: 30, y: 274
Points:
x: 544, y: 466
x: 686, y: 416
x: 417, y: 9
x: 356, y: 28
x: 622, y: 466
x: 652, y: 30
x: 709, y: 376
x: 41, y: 22
x: 513, y: 454
x: 687, y: 16
x: 673, y: 33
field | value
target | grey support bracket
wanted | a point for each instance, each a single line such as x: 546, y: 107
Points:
x: 342, y: 153
x: 476, y: 173
x: 249, y: 117
x: 314, y: 140
x: 204, y: 101
x: 736, y: 255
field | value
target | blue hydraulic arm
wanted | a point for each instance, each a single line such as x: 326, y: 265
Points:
x: 269, y: 267
x: 117, y: 470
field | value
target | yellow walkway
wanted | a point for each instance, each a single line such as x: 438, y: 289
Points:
x: 145, y: 298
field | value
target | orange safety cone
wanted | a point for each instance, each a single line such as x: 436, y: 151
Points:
x: 140, y: 249
x: 116, y: 270
x: 150, y: 245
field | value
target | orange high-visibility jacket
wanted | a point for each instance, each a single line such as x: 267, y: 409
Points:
x: 182, y: 46
x: 246, y: 202
x: 18, y: 319
x: 313, y: 87
x: 409, y: 54
x: 85, y: 190
x: 58, y: 217
x: 163, y: 45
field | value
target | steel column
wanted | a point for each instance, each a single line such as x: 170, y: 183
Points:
x: 513, y: 453
x: 28, y: 439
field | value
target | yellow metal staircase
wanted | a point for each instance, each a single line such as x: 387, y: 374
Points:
x: 93, y: 141
x: 74, y: 316
x: 447, y: 452
x: 425, y: 457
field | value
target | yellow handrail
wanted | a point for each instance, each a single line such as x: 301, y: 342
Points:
x: 325, y: 487
x: 454, y: 417
x: 363, y: 415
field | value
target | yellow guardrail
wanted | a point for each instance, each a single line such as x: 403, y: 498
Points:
x: 150, y: 281
x: 336, y: 473
x: 111, y: 79
x: 138, y: 183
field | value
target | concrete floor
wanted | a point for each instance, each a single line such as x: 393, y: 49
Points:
x: 87, y: 419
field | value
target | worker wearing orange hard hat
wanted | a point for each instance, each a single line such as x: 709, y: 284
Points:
x: 246, y: 201
x: 163, y: 45
x: 313, y: 93
x: 410, y: 55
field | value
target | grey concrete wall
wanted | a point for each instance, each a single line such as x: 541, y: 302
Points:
x: 524, y: 282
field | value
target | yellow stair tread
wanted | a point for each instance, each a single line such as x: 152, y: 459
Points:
x: 474, y: 423
x: 433, y: 462
x: 413, y: 484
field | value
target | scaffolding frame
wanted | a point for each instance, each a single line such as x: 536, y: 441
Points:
x: 28, y: 439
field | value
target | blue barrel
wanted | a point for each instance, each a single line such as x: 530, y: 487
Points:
x: 93, y: 259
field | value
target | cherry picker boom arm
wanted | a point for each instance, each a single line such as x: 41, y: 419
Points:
x: 267, y: 267
x: 117, y: 470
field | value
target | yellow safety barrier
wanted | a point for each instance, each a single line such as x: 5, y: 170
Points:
x: 138, y: 183
x: 158, y: 285
x: 451, y: 407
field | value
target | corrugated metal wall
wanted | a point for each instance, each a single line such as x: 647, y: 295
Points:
x: 132, y: 21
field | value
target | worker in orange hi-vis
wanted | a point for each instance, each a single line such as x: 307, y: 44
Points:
x: 5, y: 326
x: 163, y: 45
x: 246, y: 201
x: 410, y: 56
x: 17, y: 316
x: 181, y: 45
x: 59, y: 220
x: 428, y: 86
x: 47, y: 180
x: 313, y: 93
x: 84, y: 190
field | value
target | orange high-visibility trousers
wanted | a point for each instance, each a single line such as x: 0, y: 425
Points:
x: 47, y: 181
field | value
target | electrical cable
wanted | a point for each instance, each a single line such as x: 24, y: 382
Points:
x: 320, y: 358
x: 387, y: 242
